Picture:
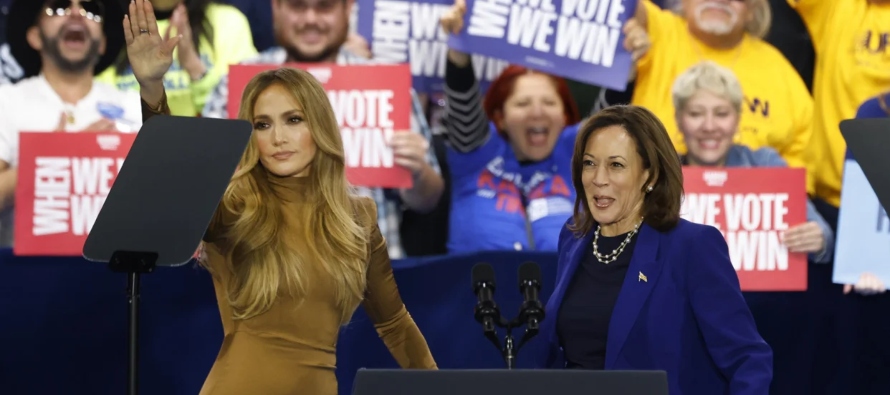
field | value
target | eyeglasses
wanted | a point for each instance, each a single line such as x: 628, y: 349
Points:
x: 89, y: 9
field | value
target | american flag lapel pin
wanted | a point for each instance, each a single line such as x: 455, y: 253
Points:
x: 643, y: 278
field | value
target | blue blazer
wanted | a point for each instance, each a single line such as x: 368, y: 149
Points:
x: 680, y: 310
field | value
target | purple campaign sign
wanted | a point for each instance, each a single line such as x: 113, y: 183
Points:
x: 576, y: 39
x: 402, y: 31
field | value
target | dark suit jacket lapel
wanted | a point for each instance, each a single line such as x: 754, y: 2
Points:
x: 634, y: 291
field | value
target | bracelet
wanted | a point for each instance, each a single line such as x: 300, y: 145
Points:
x: 161, y: 105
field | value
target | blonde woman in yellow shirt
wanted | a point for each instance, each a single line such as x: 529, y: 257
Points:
x: 777, y: 110
x: 213, y: 37
x: 852, y: 65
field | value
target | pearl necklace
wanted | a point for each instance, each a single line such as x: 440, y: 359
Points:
x: 611, y: 257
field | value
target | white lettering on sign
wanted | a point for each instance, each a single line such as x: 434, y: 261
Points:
x: 488, y: 18
x: 365, y: 118
x: 367, y: 147
x: 589, y: 30
x: 409, y: 31
x: 362, y: 108
x: 531, y: 26
x: 585, y: 30
x: 52, y: 194
x: 70, y: 192
x: 752, y: 224
x: 391, y: 29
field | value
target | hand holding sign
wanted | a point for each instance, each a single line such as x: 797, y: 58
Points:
x: 409, y: 151
x: 868, y: 284
x: 806, y: 237
x: 357, y: 44
x: 754, y: 208
x: 452, y: 21
x: 636, y: 40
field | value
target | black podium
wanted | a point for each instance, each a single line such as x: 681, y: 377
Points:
x: 162, y: 200
x: 508, y: 382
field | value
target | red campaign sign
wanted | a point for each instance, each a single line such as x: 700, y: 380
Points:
x: 63, y: 179
x: 370, y: 101
x: 752, y: 207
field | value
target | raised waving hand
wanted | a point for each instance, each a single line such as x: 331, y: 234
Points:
x: 150, y: 53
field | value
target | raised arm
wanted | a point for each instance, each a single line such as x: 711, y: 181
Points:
x: 466, y: 125
x: 150, y: 56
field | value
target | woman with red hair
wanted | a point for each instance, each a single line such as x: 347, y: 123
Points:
x: 509, y: 155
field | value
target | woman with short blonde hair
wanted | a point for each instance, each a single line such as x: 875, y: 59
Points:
x: 708, y: 101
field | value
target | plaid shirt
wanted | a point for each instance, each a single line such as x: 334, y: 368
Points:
x: 389, y: 203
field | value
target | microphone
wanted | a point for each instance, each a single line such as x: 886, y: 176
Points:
x: 532, y: 311
x: 486, y: 311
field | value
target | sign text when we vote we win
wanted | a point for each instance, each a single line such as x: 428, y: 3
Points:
x: 588, y: 30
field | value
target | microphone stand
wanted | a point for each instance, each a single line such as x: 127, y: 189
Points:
x: 510, y: 349
x: 509, y: 352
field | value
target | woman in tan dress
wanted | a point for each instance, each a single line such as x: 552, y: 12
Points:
x: 292, y: 254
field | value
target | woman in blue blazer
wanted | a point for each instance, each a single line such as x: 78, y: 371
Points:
x: 639, y: 288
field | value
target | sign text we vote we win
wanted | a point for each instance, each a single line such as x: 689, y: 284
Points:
x: 752, y: 208
x: 370, y: 102
x: 579, y: 39
x: 365, y: 125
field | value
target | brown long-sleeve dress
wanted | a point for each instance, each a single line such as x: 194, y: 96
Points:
x: 290, y: 349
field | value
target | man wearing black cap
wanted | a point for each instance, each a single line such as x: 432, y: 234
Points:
x: 61, y: 45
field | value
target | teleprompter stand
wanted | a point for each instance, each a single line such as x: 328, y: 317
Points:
x: 162, y: 201
x: 134, y: 264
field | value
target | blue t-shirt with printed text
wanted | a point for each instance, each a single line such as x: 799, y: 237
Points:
x: 492, y: 194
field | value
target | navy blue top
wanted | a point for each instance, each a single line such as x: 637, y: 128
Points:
x: 585, y: 313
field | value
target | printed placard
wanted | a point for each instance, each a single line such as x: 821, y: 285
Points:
x: 63, y: 180
x: 862, y: 242
x: 577, y: 39
x: 371, y: 103
x: 405, y: 31
x: 752, y: 207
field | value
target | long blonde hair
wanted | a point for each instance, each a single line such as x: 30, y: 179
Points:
x: 264, y: 256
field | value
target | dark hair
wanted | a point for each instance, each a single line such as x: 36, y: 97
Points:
x: 198, y: 22
x: 502, y: 87
x: 661, y: 207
